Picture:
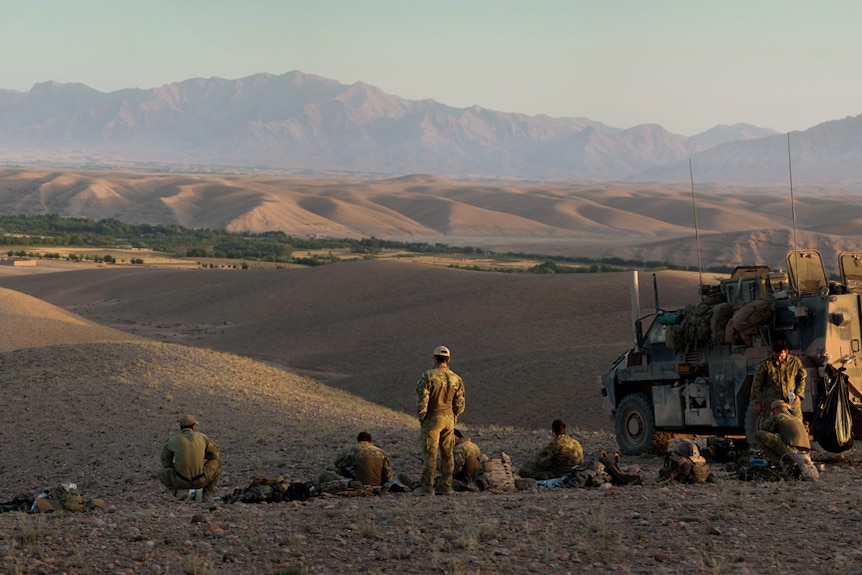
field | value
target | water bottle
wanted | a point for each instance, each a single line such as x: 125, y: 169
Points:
x: 791, y: 397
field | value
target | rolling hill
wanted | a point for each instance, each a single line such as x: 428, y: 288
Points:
x: 737, y: 224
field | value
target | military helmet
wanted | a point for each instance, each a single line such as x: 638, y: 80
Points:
x: 688, y: 449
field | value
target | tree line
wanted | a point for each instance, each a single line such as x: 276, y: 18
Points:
x: 274, y: 246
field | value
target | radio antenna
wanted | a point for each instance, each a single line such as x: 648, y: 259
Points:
x: 696, y: 229
x: 792, y: 202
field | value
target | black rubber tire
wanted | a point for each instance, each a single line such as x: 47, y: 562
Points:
x: 635, y: 424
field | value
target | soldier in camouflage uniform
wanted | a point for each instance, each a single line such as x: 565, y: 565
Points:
x: 779, y: 377
x: 466, y: 456
x: 468, y: 465
x: 190, y: 460
x: 558, y: 458
x: 365, y: 462
x: 782, y: 434
x: 440, y: 400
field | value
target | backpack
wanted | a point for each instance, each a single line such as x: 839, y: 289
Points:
x: 498, y: 474
x: 685, y: 464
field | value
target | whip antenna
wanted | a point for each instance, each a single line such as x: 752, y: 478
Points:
x: 696, y: 229
x: 792, y: 208
x: 792, y: 203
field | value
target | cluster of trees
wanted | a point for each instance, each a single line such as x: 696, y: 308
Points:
x: 107, y: 258
x: 609, y: 264
x: 54, y: 230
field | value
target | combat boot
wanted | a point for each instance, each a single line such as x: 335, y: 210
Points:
x: 806, y: 467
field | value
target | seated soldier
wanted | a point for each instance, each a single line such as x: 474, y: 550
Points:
x: 467, y: 463
x: 558, y: 458
x: 365, y: 462
x: 782, y: 434
x: 190, y: 460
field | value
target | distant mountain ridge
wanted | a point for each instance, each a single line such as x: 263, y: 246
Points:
x: 298, y: 121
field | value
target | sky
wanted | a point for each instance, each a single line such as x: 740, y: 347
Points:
x: 686, y: 65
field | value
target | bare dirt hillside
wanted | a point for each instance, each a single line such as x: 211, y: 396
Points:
x: 30, y: 322
x: 530, y: 347
x: 97, y: 413
x: 737, y: 224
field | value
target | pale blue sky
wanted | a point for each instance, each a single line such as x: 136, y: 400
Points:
x: 685, y: 64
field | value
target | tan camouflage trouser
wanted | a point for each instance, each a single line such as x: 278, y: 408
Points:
x: 437, y: 432
x: 772, y: 445
x: 209, y: 481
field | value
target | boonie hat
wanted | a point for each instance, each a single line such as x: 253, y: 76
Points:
x: 779, y: 403
x: 442, y: 351
x: 187, y: 421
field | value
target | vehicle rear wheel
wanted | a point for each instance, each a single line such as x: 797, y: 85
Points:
x: 635, y: 424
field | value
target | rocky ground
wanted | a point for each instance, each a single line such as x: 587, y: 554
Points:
x: 728, y: 527
x: 85, y: 404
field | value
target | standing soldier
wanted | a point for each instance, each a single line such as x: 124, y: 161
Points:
x: 440, y: 393
x: 779, y: 377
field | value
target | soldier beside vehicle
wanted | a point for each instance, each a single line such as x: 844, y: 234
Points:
x: 780, y: 376
x: 782, y: 435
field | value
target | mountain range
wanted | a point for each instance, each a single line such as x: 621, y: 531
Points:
x: 299, y: 122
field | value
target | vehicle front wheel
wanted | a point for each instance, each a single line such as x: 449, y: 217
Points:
x: 635, y: 424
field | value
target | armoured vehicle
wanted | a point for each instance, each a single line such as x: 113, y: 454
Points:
x: 689, y: 373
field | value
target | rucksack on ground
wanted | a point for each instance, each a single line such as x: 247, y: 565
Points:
x: 685, y: 464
